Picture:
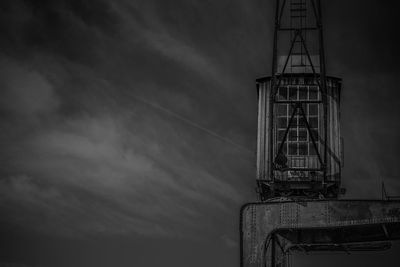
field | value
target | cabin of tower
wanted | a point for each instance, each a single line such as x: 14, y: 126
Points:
x: 297, y: 168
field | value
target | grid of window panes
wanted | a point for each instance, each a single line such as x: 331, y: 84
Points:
x: 298, y: 141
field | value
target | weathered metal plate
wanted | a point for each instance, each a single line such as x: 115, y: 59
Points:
x: 319, y: 219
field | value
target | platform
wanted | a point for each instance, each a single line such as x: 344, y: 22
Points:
x: 269, y: 230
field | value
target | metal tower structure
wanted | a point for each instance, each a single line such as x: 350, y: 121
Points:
x: 299, y: 152
x: 299, y: 144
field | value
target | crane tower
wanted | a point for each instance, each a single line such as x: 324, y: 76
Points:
x: 299, y: 156
x: 299, y: 144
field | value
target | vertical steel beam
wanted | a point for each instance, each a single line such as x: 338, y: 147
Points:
x: 274, y: 71
x: 323, y: 83
x: 273, y: 260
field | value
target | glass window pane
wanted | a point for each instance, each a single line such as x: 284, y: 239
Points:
x: 303, y: 93
x: 302, y: 135
x: 282, y: 110
x: 281, y: 134
x: 282, y: 122
x: 313, y: 109
x: 312, y: 149
x: 313, y: 122
x: 294, y: 122
x: 291, y: 110
x: 302, y: 122
x: 315, y: 134
x: 303, y: 149
x: 292, y: 93
x: 293, y: 135
x: 313, y: 93
x: 304, y: 106
x: 282, y: 93
x: 293, y: 149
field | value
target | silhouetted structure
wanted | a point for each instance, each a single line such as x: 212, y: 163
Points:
x: 299, y: 144
x: 299, y: 156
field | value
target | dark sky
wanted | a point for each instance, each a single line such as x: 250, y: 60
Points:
x: 128, y: 128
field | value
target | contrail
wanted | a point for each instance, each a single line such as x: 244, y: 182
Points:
x: 195, y: 125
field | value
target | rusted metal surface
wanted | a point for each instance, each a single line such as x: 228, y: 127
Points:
x: 269, y: 230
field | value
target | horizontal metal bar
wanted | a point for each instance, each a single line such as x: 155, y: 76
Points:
x: 298, y: 101
x: 299, y: 169
x: 296, y: 29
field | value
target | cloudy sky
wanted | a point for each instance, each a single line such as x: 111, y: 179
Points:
x: 128, y: 127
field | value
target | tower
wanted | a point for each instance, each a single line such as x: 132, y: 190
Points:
x: 299, y: 153
x: 298, y: 143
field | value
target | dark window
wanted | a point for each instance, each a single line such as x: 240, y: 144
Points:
x: 298, y: 141
x: 281, y: 134
x: 313, y: 121
x: 313, y: 109
x: 292, y: 148
x: 303, y: 149
x: 302, y: 135
x: 303, y: 93
x: 304, y: 106
x: 291, y: 108
x: 282, y: 122
x: 313, y: 93
x: 302, y: 122
x: 292, y: 93
x: 312, y: 149
x: 315, y: 134
x: 282, y: 110
x: 283, y: 93
x: 293, y: 135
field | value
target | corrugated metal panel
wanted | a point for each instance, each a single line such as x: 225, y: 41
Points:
x: 263, y: 130
x: 334, y: 147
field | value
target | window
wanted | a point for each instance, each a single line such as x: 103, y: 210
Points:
x: 292, y: 93
x: 298, y: 141
x: 293, y: 135
x: 292, y: 148
x: 282, y: 110
x: 303, y: 149
x: 303, y: 94
x: 283, y: 93
x: 282, y: 122
x: 313, y: 122
x: 303, y: 135
x: 313, y: 109
x: 281, y: 134
x: 314, y: 93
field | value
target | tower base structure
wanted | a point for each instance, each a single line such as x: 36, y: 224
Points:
x: 270, y: 230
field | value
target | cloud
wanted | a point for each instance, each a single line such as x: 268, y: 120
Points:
x: 92, y: 175
x: 25, y: 91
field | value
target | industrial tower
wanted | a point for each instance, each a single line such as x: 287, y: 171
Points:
x: 299, y: 144
x: 299, y: 155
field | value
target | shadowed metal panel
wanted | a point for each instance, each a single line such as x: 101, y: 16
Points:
x: 263, y: 130
x: 334, y: 136
x: 260, y: 220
